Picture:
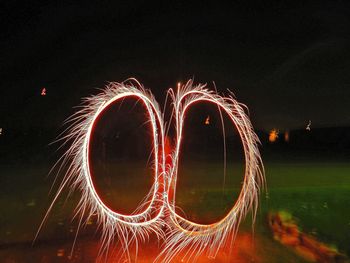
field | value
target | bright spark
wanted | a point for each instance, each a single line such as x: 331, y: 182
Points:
x: 308, y: 127
x: 157, y: 214
x: 207, y: 120
x: 43, y: 92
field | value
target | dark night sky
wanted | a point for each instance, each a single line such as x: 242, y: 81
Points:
x: 288, y: 62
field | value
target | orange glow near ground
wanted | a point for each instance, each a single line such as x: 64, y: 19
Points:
x: 246, y: 249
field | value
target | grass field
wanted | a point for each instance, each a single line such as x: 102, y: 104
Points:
x: 316, y: 194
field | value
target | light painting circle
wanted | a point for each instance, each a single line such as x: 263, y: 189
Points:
x: 213, y: 236
x: 86, y: 161
x: 158, y: 215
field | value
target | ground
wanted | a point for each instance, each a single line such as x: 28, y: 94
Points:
x: 316, y: 194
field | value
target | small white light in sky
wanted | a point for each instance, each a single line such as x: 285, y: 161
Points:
x: 308, y: 127
x: 43, y: 92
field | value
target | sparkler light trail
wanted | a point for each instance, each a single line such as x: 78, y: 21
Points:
x: 157, y: 213
x: 199, y: 238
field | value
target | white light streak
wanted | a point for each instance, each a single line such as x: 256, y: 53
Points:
x: 157, y: 213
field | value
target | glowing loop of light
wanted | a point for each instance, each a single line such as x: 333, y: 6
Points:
x: 158, y: 214
x: 144, y: 217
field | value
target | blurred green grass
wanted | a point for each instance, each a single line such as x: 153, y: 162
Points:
x: 316, y: 194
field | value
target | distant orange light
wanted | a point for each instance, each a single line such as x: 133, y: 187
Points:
x: 60, y: 252
x: 43, y: 92
x: 207, y: 120
x: 286, y: 136
x: 273, y: 136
